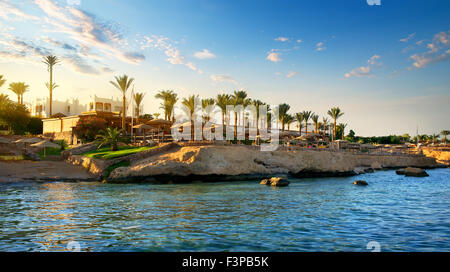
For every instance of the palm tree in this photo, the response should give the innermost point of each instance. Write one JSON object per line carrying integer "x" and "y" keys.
{"x": 306, "y": 116}
{"x": 222, "y": 101}
{"x": 51, "y": 89}
{"x": 138, "y": 99}
{"x": 257, "y": 104}
{"x": 110, "y": 136}
{"x": 191, "y": 107}
{"x": 283, "y": 110}
{"x": 335, "y": 113}
{"x": 325, "y": 123}
{"x": 299, "y": 117}
{"x": 123, "y": 83}
{"x": 342, "y": 128}
{"x": 289, "y": 119}
{"x": 50, "y": 61}
{"x": 157, "y": 115}
{"x": 315, "y": 119}
{"x": 19, "y": 88}
{"x": 2, "y": 80}
{"x": 15, "y": 88}
{"x": 207, "y": 107}
{"x": 238, "y": 98}
{"x": 169, "y": 98}
{"x": 445, "y": 133}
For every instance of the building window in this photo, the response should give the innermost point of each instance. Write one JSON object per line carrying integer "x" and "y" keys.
{"x": 107, "y": 107}
{"x": 99, "y": 106}
{"x": 68, "y": 109}
{"x": 91, "y": 106}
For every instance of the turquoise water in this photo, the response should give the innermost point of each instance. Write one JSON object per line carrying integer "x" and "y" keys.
{"x": 329, "y": 214}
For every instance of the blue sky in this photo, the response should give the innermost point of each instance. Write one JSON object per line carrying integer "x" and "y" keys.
{"x": 386, "y": 66}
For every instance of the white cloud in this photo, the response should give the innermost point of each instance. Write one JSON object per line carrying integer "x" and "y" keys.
{"x": 6, "y": 10}
{"x": 291, "y": 74}
{"x": 320, "y": 46}
{"x": 299, "y": 41}
{"x": 274, "y": 57}
{"x": 204, "y": 54}
{"x": 223, "y": 78}
{"x": 410, "y": 36}
{"x": 364, "y": 71}
{"x": 282, "y": 39}
{"x": 437, "y": 51}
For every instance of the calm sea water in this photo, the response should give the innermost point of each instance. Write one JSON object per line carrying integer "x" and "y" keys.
{"x": 330, "y": 214}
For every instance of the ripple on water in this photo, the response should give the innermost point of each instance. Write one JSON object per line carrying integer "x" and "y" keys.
{"x": 330, "y": 214}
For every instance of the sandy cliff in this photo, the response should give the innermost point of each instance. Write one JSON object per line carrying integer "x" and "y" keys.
{"x": 242, "y": 160}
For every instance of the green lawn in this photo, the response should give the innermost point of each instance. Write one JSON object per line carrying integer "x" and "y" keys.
{"x": 105, "y": 153}
{"x": 11, "y": 158}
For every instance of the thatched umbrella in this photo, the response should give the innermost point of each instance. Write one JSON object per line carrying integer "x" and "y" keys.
{"x": 46, "y": 144}
{"x": 145, "y": 127}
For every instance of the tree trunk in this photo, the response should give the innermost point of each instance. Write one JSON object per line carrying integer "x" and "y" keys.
{"x": 306, "y": 127}
{"x": 114, "y": 147}
{"x": 123, "y": 112}
{"x": 51, "y": 91}
{"x": 235, "y": 125}
{"x": 334, "y": 132}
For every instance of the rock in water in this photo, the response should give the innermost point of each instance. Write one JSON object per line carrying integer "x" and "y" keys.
{"x": 279, "y": 182}
{"x": 401, "y": 172}
{"x": 415, "y": 172}
{"x": 361, "y": 183}
{"x": 265, "y": 182}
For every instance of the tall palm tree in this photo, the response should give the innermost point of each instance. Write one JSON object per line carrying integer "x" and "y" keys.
{"x": 306, "y": 116}
{"x": 2, "y": 80}
{"x": 283, "y": 110}
{"x": 207, "y": 107}
{"x": 258, "y": 104}
{"x": 170, "y": 98}
{"x": 445, "y": 133}
{"x": 315, "y": 119}
{"x": 238, "y": 98}
{"x": 335, "y": 113}
{"x": 191, "y": 107}
{"x": 51, "y": 89}
{"x": 123, "y": 83}
{"x": 138, "y": 99}
{"x": 289, "y": 119}
{"x": 342, "y": 128}
{"x": 51, "y": 61}
{"x": 325, "y": 123}
{"x": 222, "y": 101}
{"x": 19, "y": 88}
{"x": 299, "y": 117}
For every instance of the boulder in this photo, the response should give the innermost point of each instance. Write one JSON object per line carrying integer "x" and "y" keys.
{"x": 265, "y": 182}
{"x": 400, "y": 172}
{"x": 415, "y": 172}
{"x": 360, "y": 183}
{"x": 279, "y": 182}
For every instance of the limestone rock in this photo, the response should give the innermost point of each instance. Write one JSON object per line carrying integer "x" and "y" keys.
{"x": 360, "y": 183}
{"x": 265, "y": 182}
{"x": 376, "y": 166}
{"x": 415, "y": 172}
{"x": 401, "y": 172}
{"x": 279, "y": 182}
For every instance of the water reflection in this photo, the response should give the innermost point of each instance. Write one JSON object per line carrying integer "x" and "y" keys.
{"x": 310, "y": 215}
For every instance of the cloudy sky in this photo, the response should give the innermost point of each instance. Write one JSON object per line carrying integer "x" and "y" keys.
{"x": 386, "y": 66}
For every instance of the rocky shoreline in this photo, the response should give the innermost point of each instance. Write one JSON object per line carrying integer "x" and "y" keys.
{"x": 232, "y": 163}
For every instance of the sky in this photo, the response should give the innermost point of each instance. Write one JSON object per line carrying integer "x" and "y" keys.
{"x": 386, "y": 66}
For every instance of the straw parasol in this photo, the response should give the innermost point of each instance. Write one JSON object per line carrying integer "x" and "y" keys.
{"x": 46, "y": 144}
{"x": 145, "y": 127}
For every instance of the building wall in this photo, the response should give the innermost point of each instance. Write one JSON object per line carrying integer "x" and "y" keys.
{"x": 57, "y": 125}
{"x": 41, "y": 107}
